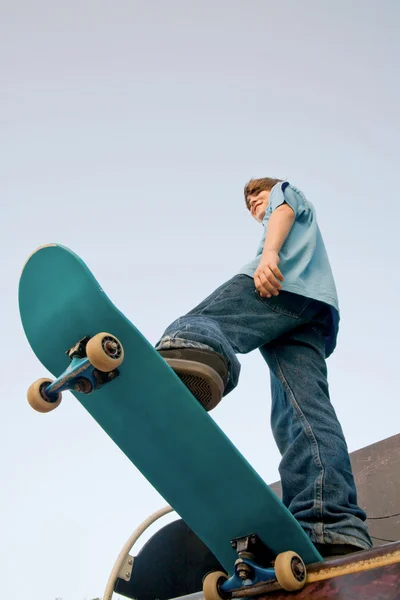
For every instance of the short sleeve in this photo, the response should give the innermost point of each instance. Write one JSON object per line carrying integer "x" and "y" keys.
{"x": 284, "y": 192}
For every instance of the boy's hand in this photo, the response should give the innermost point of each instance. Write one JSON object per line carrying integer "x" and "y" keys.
{"x": 268, "y": 276}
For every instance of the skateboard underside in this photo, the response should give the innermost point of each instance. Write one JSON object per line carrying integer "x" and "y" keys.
{"x": 151, "y": 416}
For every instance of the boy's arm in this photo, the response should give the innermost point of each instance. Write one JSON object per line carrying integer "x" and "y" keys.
{"x": 268, "y": 276}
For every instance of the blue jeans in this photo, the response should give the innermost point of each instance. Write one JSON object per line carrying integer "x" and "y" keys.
{"x": 316, "y": 476}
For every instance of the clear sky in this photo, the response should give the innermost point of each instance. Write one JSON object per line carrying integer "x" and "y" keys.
{"x": 128, "y": 130}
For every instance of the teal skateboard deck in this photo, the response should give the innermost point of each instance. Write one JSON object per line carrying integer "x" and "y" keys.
{"x": 151, "y": 416}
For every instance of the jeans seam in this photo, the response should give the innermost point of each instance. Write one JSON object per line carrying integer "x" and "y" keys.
{"x": 178, "y": 330}
{"x": 317, "y": 332}
{"x": 318, "y": 485}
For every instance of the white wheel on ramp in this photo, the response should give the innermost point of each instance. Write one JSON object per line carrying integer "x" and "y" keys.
{"x": 211, "y": 584}
{"x": 290, "y": 571}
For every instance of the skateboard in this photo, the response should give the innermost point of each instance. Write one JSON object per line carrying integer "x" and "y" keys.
{"x": 96, "y": 353}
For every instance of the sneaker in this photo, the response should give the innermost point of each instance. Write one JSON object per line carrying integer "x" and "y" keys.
{"x": 204, "y": 372}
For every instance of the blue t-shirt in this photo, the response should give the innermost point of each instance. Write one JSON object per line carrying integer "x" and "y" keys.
{"x": 304, "y": 261}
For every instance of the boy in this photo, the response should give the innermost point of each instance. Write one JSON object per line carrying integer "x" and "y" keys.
{"x": 283, "y": 302}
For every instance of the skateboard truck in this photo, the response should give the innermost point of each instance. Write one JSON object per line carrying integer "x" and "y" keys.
{"x": 94, "y": 362}
{"x": 250, "y": 569}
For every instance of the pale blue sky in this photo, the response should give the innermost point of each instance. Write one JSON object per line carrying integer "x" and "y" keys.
{"x": 128, "y": 130}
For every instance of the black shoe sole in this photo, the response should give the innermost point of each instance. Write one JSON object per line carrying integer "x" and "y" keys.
{"x": 202, "y": 381}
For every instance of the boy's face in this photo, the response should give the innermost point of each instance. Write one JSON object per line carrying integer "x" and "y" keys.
{"x": 258, "y": 205}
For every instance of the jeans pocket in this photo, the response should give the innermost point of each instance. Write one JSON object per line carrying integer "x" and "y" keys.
{"x": 286, "y": 303}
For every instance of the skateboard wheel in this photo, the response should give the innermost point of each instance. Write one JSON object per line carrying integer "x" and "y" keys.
{"x": 211, "y": 585}
{"x": 36, "y": 399}
{"x": 105, "y": 352}
{"x": 290, "y": 571}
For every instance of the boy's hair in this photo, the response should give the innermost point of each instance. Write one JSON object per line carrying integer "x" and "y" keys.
{"x": 255, "y": 186}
